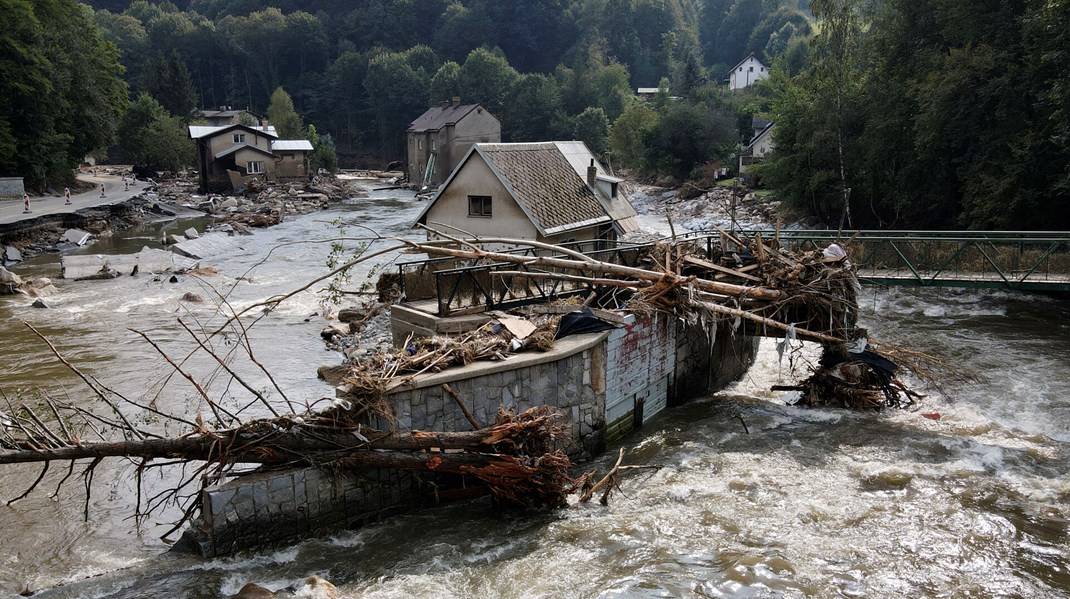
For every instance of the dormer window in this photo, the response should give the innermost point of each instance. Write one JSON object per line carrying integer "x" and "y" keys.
{"x": 613, "y": 191}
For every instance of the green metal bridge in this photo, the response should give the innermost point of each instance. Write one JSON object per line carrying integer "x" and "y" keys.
{"x": 1020, "y": 260}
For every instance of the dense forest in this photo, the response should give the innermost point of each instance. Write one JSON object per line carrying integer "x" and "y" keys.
{"x": 943, "y": 114}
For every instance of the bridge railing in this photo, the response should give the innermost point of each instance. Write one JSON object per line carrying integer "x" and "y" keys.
{"x": 1037, "y": 260}
{"x": 459, "y": 286}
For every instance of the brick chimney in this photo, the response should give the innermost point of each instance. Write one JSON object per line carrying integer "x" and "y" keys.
{"x": 456, "y": 101}
{"x": 592, "y": 175}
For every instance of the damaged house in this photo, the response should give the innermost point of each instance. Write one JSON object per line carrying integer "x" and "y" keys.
{"x": 440, "y": 137}
{"x": 231, "y": 155}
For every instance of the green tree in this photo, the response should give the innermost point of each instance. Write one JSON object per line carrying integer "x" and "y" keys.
{"x": 345, "y": 103}
{"x": 323, "y": 152}
{"x": 533, "y": 106}
{"x": 152, "y": 138}
{"x": 61, "y": 92}
{"x": 397, "y": 94}
{"x": 592, "y": 128}
{"x": 168, "y": 80}
{"x": 689, "y": 135}
{"x": 486, "y": 79}
{"x": 446, "y": 83}
{"x": 462, "y": 29}
{"x": 628, "y": 133}
{"x": 281, "y": 113}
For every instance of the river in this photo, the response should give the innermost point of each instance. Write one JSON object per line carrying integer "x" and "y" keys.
{"x": 810, "y": 503}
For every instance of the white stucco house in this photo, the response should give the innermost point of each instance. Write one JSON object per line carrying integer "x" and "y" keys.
{"x": 553, "y": 192}
{"x": 750, "y": 70}
{"x": 760, "y": 145}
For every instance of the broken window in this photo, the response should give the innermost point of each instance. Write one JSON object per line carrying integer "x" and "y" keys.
{"x": 479, "y": 206}
{"x": 254, "y": 167}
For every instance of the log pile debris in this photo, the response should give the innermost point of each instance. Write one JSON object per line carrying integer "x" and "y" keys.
{"x": 519, "y": 457}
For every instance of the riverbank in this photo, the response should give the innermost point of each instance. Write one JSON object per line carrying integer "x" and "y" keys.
{"x": 724, "y": 207}
{"x": 260, "y": 206}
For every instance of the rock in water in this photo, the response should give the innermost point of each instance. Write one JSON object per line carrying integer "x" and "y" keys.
{"x": 11, "y": 255}
{"x": 40, "y": 303}
{"x": 192, "y": 297}
{"x": 253, "y": 591}
{"x": 9, "y": 282}
{"x": 318, "y": 588}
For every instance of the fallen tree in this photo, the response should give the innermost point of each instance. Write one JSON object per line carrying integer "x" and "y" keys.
{"x": 519, "y": 457}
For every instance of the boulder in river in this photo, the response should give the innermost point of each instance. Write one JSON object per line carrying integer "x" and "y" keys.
{"x": 40, "y": 303}
{"x": 11, "y": 255}
{"x": 189, "y": 296}
{"x": 9, "y": 282}
{"x": 191, "y": 233}
{"x": 40, "y": 287}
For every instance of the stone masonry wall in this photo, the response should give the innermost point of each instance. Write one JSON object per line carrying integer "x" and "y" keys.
{"x": 11, "y": 187}
{"x": 564, "y": 384}
{"x": 676, "y": 362}
{"x": 269, "y": 508}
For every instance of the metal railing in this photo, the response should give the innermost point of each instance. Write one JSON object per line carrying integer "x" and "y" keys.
{"x": 1023, "y": 260}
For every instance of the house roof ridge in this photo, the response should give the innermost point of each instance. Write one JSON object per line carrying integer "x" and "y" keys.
{"x": 748, "y": 57}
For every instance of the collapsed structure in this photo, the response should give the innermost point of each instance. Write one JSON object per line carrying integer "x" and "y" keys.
{"x": 515, "y": 364}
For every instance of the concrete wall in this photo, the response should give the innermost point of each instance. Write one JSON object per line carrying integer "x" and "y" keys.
{"x": 11, "y": 187}
{"x": 599, "y": 383}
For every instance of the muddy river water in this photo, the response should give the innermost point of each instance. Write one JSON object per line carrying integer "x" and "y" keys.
{"x": 810, "y": 503}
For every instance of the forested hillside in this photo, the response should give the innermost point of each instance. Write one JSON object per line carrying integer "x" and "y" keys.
{"x": 930, "y": 114}
{"x": 888, "y": 112}
{"x": 363, "y": 70}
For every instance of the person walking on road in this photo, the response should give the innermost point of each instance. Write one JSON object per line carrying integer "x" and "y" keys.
{"x": 126, "y": 184}
{"x": 25, "y": 203}
{"x": 67, "y": 196}
{"x": 102, "y": 191}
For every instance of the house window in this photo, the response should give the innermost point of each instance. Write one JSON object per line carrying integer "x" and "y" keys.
{"x": 419, "y": 144}
{"x": 479, "y": 206}
{"x": 239, "y": 138}
{"x": 761, "y": 69}
{"x": 740, "y": 69}
{"x": 254, "y": 168}
{"x": 751, "y": 69}
{"x": 434, "y": 145}
{"x": 612, "y": 191}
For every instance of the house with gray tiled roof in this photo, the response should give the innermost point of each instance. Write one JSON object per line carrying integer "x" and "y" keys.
{"x": 440, "y": 137}
{"x": 553, "y": 192}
